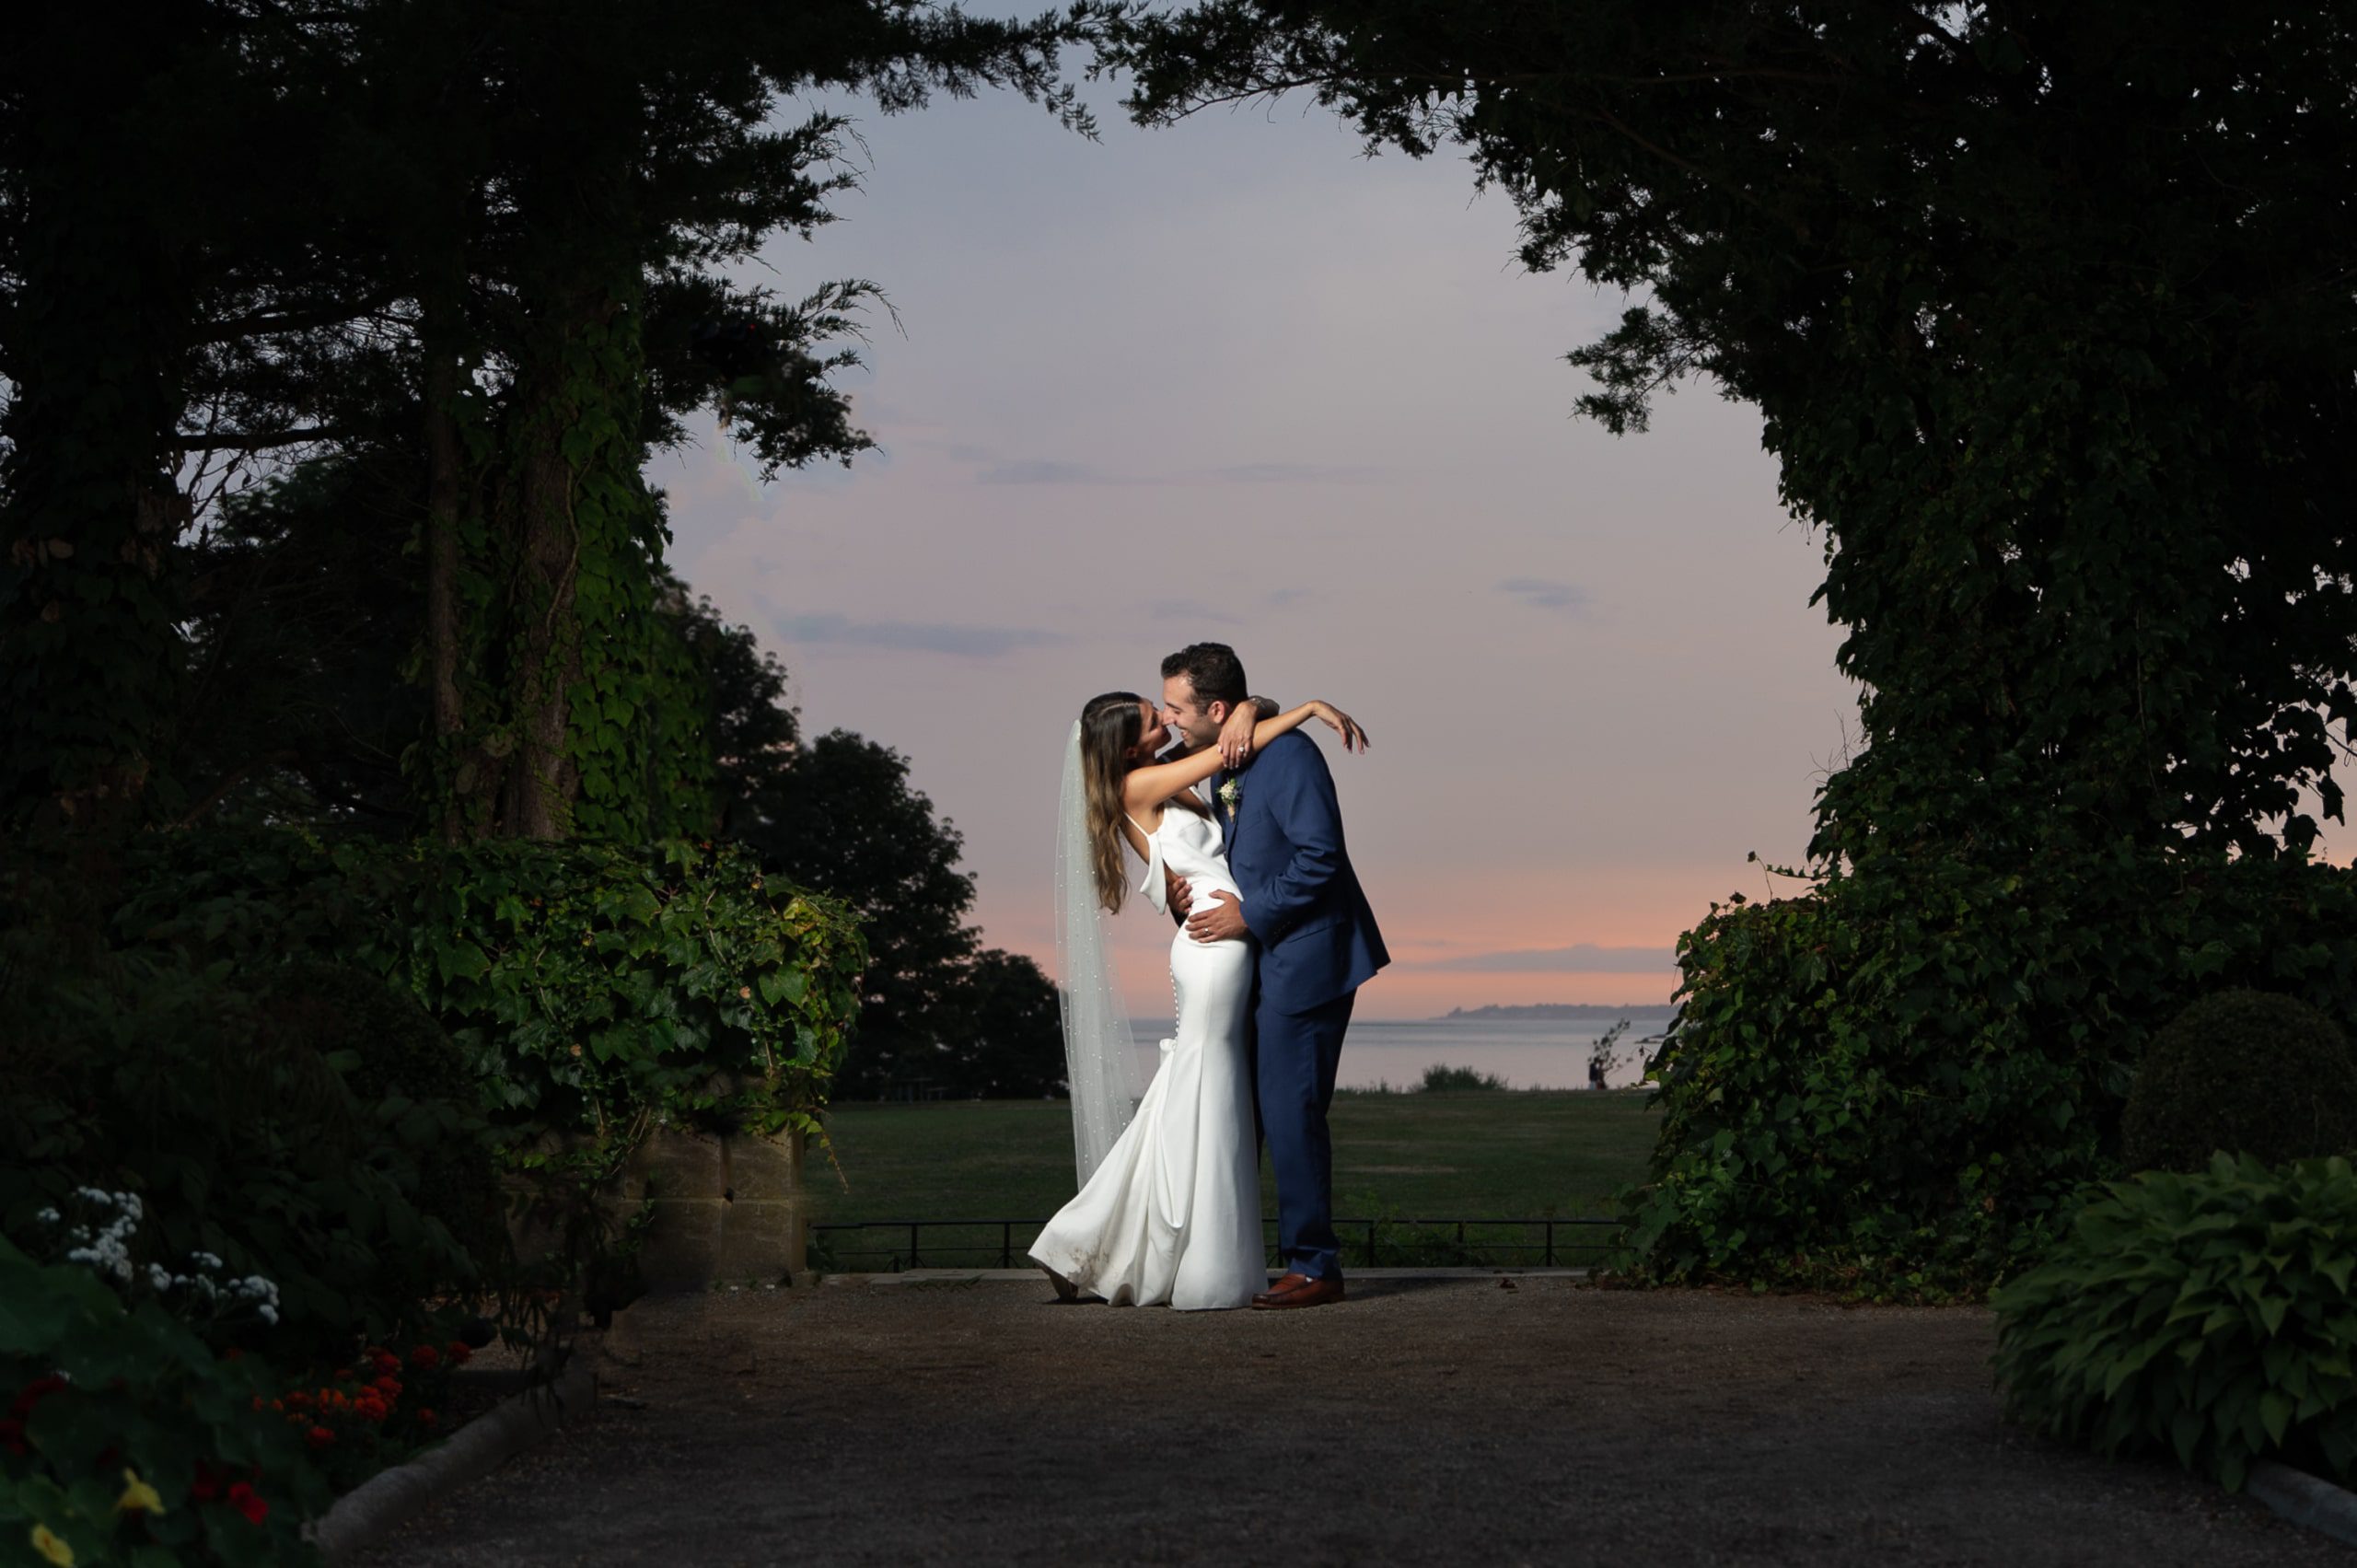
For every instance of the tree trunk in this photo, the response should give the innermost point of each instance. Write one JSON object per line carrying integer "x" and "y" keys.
{"x": 542, "y": 779}
{"x": 445, "y": 489}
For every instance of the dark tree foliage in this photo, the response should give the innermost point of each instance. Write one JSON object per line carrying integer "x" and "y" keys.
{"x": 503, "y": 236}
{"x": 2048, "y": 309}
{"x": 939, "y": 1012}
{"x": 303, "y": 605}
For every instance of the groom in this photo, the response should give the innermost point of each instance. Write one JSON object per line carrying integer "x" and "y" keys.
{"x": 1314, "y": 944}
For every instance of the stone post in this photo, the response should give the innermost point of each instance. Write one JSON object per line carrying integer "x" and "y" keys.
{"x": 728, "y": 1210}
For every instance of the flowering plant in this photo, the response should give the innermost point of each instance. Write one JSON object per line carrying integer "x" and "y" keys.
{"x": 126, "y": 1437}
{"x": 375, "y": 1411}
{"x": 204, "y": 1296}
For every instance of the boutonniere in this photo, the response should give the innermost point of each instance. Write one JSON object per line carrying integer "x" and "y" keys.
{"x": 1230, "y": 794}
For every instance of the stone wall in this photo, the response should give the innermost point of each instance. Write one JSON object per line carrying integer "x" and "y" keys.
{"x": 728, "y": 1210}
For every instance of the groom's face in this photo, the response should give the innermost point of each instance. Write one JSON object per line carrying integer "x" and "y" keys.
{"x": 1199, "y": 722}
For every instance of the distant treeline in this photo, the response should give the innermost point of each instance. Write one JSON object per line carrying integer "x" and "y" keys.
{"x": 1564, "y": 1010}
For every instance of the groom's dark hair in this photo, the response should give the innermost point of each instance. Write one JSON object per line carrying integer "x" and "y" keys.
{"x": 1213, "y": 668}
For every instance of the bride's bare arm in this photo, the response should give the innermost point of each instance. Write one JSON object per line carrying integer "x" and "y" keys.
{"x": 1159, "y": 782}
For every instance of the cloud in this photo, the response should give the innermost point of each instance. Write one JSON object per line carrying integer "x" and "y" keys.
{"x": 979, "y": 642}
{"x": 1051, "y": 471}
{"x": 1581, "y": 957}
{"x": 1294, "y": 473}
{"x": 1542, "y": 593}
{"x": 1041, "y": 470}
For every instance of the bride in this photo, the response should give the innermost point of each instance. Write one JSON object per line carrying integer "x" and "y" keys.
{"x": 1169, "y": 1204}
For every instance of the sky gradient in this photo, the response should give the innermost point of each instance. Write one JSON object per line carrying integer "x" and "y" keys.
{"x": 1232, "y": 380}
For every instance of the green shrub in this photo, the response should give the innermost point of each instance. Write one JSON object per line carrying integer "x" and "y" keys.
{"x": 162, "y": 1073}
{"x": 587, "y": 986}
{"x": 2245, "y": 1072}
{"x": 244, "y": 1141}
{"x": 225, "y": 1033}
{"x": 1442, "y": 1079}
{"x": 1891, "y": 1084}
{"x": 128, "y": 1439}
{"x": 2207, "y": 1316}
{"x": 405, "y": 1074}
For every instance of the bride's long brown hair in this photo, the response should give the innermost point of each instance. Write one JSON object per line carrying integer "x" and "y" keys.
{"x": 1110, "y": 725}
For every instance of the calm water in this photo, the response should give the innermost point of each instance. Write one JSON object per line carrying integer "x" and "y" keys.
{"x": 1527, "y": 1053}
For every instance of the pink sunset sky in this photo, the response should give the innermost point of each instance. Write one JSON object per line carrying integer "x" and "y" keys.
{"x": 1234, "y": 381}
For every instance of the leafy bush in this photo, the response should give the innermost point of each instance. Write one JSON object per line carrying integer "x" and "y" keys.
{"x": 1440, "y": 1078}
{"x": 129, "y": 1439}
{"x": 2207, "y": 1316}
{"x": 1891, "y": 1084}
{"x": 2244, "y": 1072}
{"x": 409, "y": 1075}
{"x": 590, "y": 985}
{"x": 587, "y": 986}
{"x": 228, "y": 1034}
{"x": 246, "y": 1143}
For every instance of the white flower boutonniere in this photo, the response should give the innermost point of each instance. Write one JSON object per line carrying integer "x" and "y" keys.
{"x": 1230, "y": 795}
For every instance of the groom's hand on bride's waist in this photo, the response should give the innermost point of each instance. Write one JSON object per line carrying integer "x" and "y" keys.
{"x": 1220, "y": 920}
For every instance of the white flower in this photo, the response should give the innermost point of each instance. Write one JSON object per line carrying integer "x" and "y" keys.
{"x": 269, "y": 1313}
{"x": 159, "y": 1276}
{"x": 46, "y": 1216}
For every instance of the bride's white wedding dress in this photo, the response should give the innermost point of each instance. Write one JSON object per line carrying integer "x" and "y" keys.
{"x": 1173, "y": 1212}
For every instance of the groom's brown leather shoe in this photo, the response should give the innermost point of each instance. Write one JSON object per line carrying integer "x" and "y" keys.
{"x": 1290, "y": 1281}
{"x": 1305, "y": 1293}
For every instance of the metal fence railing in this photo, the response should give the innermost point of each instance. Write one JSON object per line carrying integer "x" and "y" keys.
{"x": 893, "y": 1245}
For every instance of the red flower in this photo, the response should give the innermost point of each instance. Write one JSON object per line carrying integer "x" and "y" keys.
{"x": 247, "y": 1501}
{"x": 425, "y": 1357}
{"x": 425, "y": 1417}
{"x": 389, "y": 1387}
{"x": 300, "y": 1399}
{"x": 384, "y": 1361}
{"x": 35, "y": 1391}
{"x": 12, "y": 1436}
{"x": 457, "y": 1353}
{"x": 318, "y": 1438}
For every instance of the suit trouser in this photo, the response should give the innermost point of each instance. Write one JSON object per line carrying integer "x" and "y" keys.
{"x": 1296, "y": 1055}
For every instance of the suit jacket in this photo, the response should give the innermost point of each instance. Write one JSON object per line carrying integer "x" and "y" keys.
{"x": 1302, "y": 901}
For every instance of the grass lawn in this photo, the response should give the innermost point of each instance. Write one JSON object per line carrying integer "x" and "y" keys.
{"x": 1523, "y": 1154}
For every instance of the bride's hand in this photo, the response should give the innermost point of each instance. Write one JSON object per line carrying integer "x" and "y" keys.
{"x": 1353, "y": 733}
{"x": 1236, "y": 736}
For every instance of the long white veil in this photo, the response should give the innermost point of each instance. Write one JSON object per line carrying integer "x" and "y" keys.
{"x": 1100, "y": 1059}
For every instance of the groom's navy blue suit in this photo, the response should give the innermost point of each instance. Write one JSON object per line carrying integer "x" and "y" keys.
{"x": 1316, "y": 945}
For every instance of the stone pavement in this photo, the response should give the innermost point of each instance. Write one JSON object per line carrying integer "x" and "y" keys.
{"x": 1424, "y": 1421}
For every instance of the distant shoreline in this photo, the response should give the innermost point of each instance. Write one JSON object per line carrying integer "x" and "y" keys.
{"x": 1558, "y": 1010}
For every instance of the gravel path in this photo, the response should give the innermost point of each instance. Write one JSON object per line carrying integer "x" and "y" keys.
{"x": 1420, "y": 1423}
